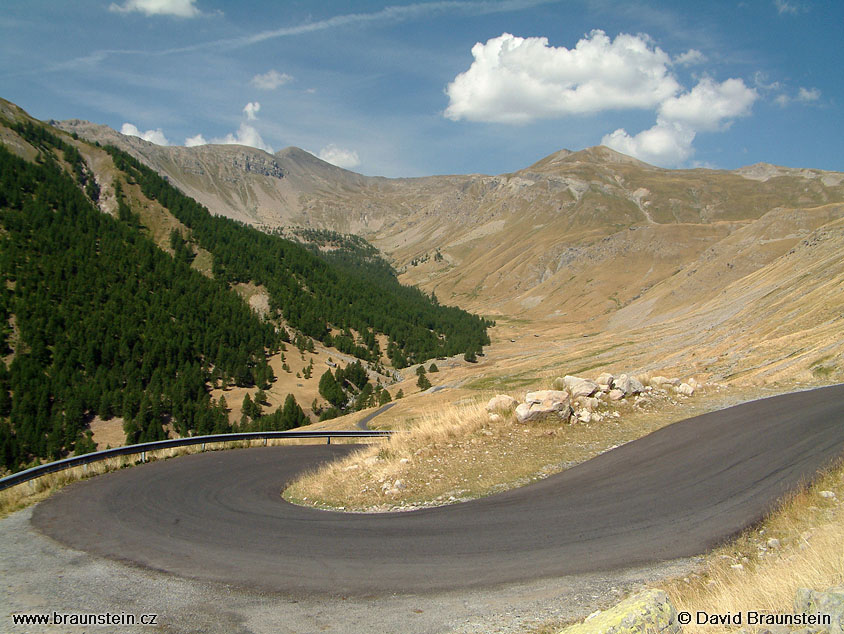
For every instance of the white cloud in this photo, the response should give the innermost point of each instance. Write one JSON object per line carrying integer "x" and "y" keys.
{"x": 178, "y": 8}
{"x": 690, "y": 58}
{"x": 193, "y": 141}
{"x": 517, "y": 80}
{"x": 271, "y": 80}
{"x": 251, "y": 110}
{"x": 246, "y": 135}
{"x": 340, "y": 157}
{"x": 708, "y": 107}
{"x": 808, "y": 95}
{"x": 804, "y": 95}
{"x": 153, "y": 136}
{"x": 665, "y": 144}
{"x": 784, "y": 6}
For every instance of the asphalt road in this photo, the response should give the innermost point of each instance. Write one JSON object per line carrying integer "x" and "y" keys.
{"x": 363, "y": 423}
{"x": 219, "y": 516}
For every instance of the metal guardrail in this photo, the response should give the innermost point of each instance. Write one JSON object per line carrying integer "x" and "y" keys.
{"x": 143, "y": 448}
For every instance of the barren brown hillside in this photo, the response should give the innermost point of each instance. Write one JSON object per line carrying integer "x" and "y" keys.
{"x": 730, "y": 274}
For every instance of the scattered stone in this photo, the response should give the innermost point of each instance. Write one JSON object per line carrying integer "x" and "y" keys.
{"x": 648, "y": 611}
{"x": 352, "y": 467}
{"x": 501, "y": 402}
{"x": 584, "y": 415}
{"x": 773, "y": 543}
{"x": 557, "y": 396}
{"x": 659, "y": 381}
{"x": 540, "y": 404}
{"x": 685, "y": 389}
{"x": 737, "y": 567}
{"x": 829, "y": 601}
{"x": 579, "y": 387}
{"x": 495, "y": 418}
{"x": 616, "y": 395}
{"x": 605, "y": 379}
{"x": 399, "y": 484}
{"x": 627, "y": 384}
{"x": 404, "y": 461}
{"x": 827, "y": 494}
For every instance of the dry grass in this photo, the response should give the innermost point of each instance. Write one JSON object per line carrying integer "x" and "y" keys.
{"x": 27, "y": 493}
{"x": 810, "y": 529}
{"x": 458, "y": 453}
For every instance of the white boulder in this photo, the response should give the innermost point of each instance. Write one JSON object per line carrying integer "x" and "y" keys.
{"x": 580, "y": 387}
{"x": 627, "y": 384}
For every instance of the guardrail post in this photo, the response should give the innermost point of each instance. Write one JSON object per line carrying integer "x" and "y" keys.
{"x": 265, "y": 441}
{"x": 143, "y": 456}
{"x": 203, "y": 447}
{"x": 328, "y": 438}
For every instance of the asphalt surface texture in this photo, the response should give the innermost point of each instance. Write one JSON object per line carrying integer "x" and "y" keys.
{"x": 219, "y": 516}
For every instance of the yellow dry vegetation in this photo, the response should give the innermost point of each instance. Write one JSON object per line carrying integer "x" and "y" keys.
{"x": 457, "y": 452}
{"x": 753, "y": 573}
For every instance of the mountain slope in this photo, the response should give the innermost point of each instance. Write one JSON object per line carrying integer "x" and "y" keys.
{"x": 515, "y": 244}
{"x": 582, "y": 242}
{"x": 122, "y": 298}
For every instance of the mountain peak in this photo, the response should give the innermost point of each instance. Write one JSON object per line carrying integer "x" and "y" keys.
{"x": 598, "y": 154}
{"x": 603, "y": 154}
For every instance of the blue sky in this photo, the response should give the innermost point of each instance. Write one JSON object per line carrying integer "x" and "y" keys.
{"x": 411, "y": 89}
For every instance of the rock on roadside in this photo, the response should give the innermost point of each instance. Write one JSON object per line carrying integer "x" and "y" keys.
{"x": 501, "y": 402}
{"x": 648, "y": 611}
{"x": 543, "y": 403}
{"x": 829, "y": 601}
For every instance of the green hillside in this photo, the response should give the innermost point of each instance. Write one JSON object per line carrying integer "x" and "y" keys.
{"x": 96, "y": 319}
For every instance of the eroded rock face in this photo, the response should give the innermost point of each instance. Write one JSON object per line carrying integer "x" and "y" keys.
{"x": 649, "y": 611}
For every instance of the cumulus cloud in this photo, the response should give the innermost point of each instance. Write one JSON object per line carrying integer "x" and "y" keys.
{"x": 153, "y": 136}
{"x": 690, "y": 58}
{"x": 666, "y": 143}
{"x": 178, "y": 8}
{"x": 517, "y": 80}
{"x": 193, "y": 141}
{"x": 271, "y": 80}
{"x": 251, "y": 110}
{"x": 246, "y": 135}
{"x": 340, "y": 157}
{"x": 808, "y": 95}
{"x": 708, "y": 107}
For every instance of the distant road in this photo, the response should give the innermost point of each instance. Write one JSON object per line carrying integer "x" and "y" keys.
{"x": 363, "y": 423}
{"x": 675, "y": 493}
